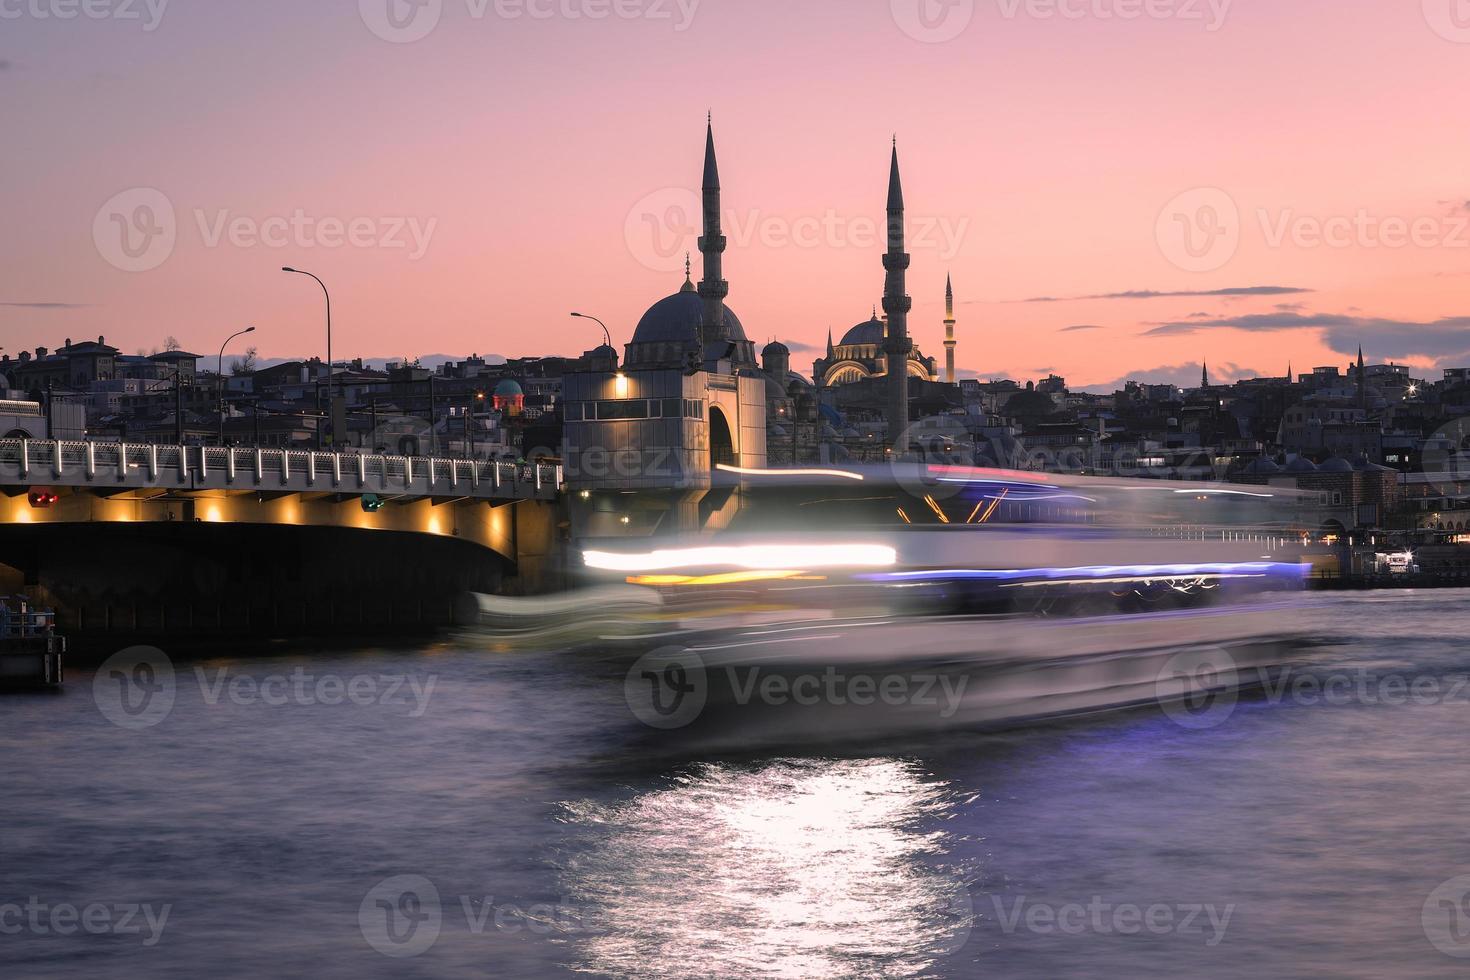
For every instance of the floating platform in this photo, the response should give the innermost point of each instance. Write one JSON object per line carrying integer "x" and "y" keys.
{"x": 32, "y": 654}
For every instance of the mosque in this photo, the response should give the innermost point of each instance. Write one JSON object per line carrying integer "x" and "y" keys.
{"x": 691, "y": 400}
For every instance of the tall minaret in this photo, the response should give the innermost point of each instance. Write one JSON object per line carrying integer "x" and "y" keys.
{"x": 713, "y": 289}
{"x": 949, "y": 321}
{"x": 1205, "y": 376}
{"x": 897, "y": 304}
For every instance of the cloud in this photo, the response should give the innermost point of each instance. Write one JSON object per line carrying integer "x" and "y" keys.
{"x": 46, "y": 306}
{"x": 1156, "y": 294}
{"x": 1254, "y": 322}
{"x": 1445, "y": 341}
{"x": 1181, "y": 375}
{"x": 1080, "y": 327}
{"x": 1291, "y": 307}
{"x": 796, "y": 347}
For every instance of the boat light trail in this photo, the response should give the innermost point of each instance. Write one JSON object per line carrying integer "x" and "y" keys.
{"x": 1100, "y": 573}
{"x": 754, "y": 557}
{"x": 752, "y": 471}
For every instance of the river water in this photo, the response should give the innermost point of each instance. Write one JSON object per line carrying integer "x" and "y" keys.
{"x": 452, "y": 811}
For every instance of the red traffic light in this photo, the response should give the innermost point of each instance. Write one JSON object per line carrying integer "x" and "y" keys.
{"x": 41, "y": 499}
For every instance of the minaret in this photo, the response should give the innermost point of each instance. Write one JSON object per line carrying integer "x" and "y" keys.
{"x": 949, "y": 322}
{"x": 897, "y": 304}
{"x": 1205, "y": 376}
{"x": 1362, "y": 382}
{"x": 713, "y": 289}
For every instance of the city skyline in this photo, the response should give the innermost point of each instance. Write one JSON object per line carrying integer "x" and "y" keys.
{"x": 1032, "y": 180}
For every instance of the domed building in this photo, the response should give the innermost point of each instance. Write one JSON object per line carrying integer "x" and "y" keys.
{"x": 860, "y": 356}
{"x": 510, "y": 397}
{"x": 689, "y": 400}
{"x": 668, "y": 335}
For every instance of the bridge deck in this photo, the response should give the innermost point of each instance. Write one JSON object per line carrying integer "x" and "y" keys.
{"x": 111, "y": 466}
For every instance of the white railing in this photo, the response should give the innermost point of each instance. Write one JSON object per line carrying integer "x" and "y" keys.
{"x": 80, "y": 464}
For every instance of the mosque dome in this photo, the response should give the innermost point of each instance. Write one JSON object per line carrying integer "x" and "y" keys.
{"x": 775, "y": 347}
{"x": 1365, "y": 465}
{"x": 1337, "y": 465}
{"x": 1301, "y": 465}
{"x": 509, "y": 388}
{"x": 676, "y": 319}
{"x": 1263, "y": 467}
{"x": 870, "y": 332}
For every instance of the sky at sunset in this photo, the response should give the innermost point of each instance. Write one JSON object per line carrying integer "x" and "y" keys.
{"x": 1120, "y": 188}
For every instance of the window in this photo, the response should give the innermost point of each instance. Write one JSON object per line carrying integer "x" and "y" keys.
{"x": 612, "y": 411}
{"x": 574, "y": 411}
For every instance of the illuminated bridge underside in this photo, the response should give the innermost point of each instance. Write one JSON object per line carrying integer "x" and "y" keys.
{"x": 110, "y": 483}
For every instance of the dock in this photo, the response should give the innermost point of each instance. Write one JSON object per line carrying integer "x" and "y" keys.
{"x": 31, "y": 651}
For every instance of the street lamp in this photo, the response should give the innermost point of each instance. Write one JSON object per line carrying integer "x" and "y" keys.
{"x": 220, "y": 370}
{"x": 301, "y": 272}
{"x": 600, "y": 324}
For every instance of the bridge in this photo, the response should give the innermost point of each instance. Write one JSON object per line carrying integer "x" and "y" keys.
{"x": 141, "y": 538}
{"x": 107, "y": 468}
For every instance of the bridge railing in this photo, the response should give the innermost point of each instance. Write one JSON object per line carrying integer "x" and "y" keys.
{"x": 65, "y": 463}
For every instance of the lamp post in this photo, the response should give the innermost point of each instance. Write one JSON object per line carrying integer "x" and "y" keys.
{"x": 220, "y": 370}
{"x": 594, "y": 319}
{"x": 328, "y": 295}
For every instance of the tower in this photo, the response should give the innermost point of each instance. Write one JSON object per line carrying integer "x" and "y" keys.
{"x": 949, "y": 322}
{"x": 713, "y": 289}
{"x": 897, "y": 304}
{"x": 1204, "y": 381}
{"x": 1362, "y": 381}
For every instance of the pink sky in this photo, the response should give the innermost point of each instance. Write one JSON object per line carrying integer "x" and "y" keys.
{"x": 1042, "y": 154}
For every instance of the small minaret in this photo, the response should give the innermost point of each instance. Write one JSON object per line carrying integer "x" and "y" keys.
{"x": 713, "y": 289}
{"x": 1204, "y": 381}
{"x": 897, "y": 304}
{"x": 949, "y": 323}
{"x": 1362, "y": 381}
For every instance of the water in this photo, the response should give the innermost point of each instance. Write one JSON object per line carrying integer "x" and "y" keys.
{"x": 515, "y": 824}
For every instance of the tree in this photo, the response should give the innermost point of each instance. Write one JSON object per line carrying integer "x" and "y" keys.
{"x": 171, "y": 343}
{"x": 244, "y": 365}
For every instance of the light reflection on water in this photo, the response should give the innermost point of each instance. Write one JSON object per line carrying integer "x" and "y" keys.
{"x": 791, "y": 869}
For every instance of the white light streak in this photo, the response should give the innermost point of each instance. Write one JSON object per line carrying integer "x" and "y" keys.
{"x": 753, "y": 557}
